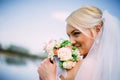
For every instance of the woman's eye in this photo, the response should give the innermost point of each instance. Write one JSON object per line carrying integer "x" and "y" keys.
{"x": 76, "y": 33}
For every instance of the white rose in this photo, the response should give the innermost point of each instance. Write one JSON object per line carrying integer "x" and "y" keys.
{"x": 68, "y": 64}
{"x": 65, "y": 53}
{"x": 50, "y": 55}
{"x": 58, "y": 43}
{"x": 50, "y": 45}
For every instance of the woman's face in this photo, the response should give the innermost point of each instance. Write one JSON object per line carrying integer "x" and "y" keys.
{"x": 78, "y": 39}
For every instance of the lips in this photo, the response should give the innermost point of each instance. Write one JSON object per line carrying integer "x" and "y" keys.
{"x": 78, "y": 46}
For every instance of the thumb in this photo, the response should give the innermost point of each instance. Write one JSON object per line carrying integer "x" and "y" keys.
{"x": 54, "y": 61}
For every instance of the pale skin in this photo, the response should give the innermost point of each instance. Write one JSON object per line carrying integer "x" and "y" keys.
{"x": 47, "y": 70}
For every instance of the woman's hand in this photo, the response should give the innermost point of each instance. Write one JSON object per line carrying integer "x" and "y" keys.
{"x": 47, "y": 70}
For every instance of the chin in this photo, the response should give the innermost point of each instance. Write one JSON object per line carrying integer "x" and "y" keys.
{"x": 83, "y": 53}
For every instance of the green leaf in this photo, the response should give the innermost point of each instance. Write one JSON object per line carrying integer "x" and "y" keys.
{"x": 61, "y": 63}
{"x": 74, "y": 48}
{"x": 54, "y": 47}
{"x": 74, "y": 57}
{"x": 65, "y": 43}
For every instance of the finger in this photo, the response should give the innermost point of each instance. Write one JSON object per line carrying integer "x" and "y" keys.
{"x": 45, "y": 60}
{"x": 40, "y": 78}
{"x": 51, "y": 61}
{"x": 54, "y": 61}
{"x": 39, "y": 69}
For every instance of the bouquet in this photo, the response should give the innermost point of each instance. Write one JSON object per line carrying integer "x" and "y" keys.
{"x": 67, "y": 54}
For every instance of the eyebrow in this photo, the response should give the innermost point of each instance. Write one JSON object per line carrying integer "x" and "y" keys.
{"x": 75, "y": 30}
{"x": 72, "y": 31}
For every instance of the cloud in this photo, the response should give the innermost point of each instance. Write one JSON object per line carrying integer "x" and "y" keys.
{"x": 60, "y": 16}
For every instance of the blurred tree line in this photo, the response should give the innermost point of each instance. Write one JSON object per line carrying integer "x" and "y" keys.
{"x": 20, "y": 51}
{"x": 17, "y": 54}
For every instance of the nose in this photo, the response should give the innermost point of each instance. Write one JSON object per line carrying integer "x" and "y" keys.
{"x": 72, "y": 40}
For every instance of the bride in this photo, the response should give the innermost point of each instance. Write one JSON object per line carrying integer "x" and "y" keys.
{"x": 96, "y": 35}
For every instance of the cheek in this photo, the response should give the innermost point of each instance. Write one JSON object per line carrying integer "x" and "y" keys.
{"x": 86, "y": 44}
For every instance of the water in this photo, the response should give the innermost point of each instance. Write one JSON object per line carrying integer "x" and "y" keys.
{"x": 27, "y": 71}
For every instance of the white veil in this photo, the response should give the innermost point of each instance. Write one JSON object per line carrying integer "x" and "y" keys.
{"x": 103, "y": 60}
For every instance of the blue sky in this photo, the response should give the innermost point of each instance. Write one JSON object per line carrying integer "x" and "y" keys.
{"x": 30, "y": 23}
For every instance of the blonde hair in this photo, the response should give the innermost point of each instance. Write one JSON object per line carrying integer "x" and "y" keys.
{"x": 85, "y": 17}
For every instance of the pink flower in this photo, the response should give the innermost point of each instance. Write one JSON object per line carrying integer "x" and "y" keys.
{"x": 65, "y": 53}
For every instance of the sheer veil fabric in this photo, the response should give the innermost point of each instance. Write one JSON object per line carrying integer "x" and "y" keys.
{"x": 103, "y": 59}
